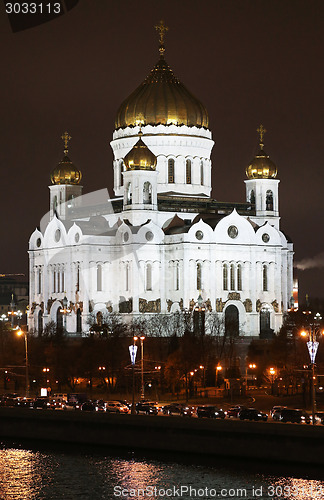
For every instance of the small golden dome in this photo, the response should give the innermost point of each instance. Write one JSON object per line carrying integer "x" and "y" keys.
{"x": 140, "y": 157}
{"x": 261, "y": 167}
{"x": 66, "y": 172}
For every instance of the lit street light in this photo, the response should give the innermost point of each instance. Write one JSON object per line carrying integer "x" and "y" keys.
{"x": 142, "y": 364}
{"x": 272, "y": 373}
{"x": 19, "y": 333}
{"x": 218, "y": 370}
{"x": 314, "y": 331}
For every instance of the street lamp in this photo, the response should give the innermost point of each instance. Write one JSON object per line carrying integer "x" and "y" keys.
{"x": 65, "y": 310}
{"x": 19, "y": 333}
{"x": 218, "y": 370}
{"x": 252, "y": 366}
{"x": 272, "y": 373}
{"x": 142, "y": 364}
{"x": 313, "y": 332}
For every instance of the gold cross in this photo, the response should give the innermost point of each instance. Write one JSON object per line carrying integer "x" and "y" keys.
{"x": 65, "y": 138}
{"x": 261, "y": 131}
{"x": 162, "y": 29}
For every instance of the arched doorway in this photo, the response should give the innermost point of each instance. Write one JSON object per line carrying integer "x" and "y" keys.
{"x": 40, "y": 322}
{"x": 232, "y": 323}
{"x": 266, "y": 331}
{"x": 78, "y": 321}
{"x": 59, "y": 321}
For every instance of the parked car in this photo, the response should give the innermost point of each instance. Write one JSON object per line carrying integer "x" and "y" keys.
{"x": 320, "y": 416}
{"x": 25, "y": 403}
{"x": 276, "y": 414}
{"x": 42, "y": 404}
{"x": 234, "y": 411}
{"x": 252, "y": 414}
{"x": 295, "y": 416}
{"x": 178, "y": 409}
{"x": 276, "y": 409}
{"x": 147, "y": 407}
{"x": 88, "y": 406}
{"x": 210, "y": 411}
{"x": 116, "y": 407}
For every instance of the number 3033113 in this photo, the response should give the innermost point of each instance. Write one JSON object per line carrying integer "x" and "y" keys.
{"x": 33, "y": 8}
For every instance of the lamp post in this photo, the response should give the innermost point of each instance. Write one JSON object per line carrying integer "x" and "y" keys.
{"x": 314, "y": 331}
{"x": 252, "y": 366}
{"x": 142, "y": 363}
{"x": 19, "y": 333}
{"x": 272, "y": 373}
{"x": 199, "y": 316}
{"x": 218, "y": 369}
{"x": 65, "y": 310}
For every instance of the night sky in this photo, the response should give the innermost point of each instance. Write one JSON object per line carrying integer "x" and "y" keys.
{"x": 249, "y": 62}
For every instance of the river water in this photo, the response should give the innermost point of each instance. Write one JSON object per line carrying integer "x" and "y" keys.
{"x": 29, "y": 473}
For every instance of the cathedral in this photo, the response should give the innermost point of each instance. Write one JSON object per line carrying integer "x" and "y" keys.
{"x": 162, "y": 244}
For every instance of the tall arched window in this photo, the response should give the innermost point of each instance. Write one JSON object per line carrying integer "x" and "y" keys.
{"x": 149, "y": 277}
{"x": 225, "y": 277}
{"x": 99, "y": 278}
{"x": 199, "y": 276}
{"x": 58, "y": 289}
{"x": 78, "y": 321}
{"x": 121, "y": 166}
{"x": 269, "y": 200}
{"x": 252, "y": 197}
{"x": 147, "y": 193}
{"x": 54, "y": 203}
{"x": 40, "y": 323}
{"x": 39, "y": 280}
{"x": 127, "y": 276}
{"x": 239, "y": 277}
{"x": 177, "y": 276}
{"x": 188, "y": 171}
{"x": 77, "y": 287}
{"x": 129, "y": 194}
{"x": 59, "y": 320}
{"x": 232, "y": 277}
{"x": 54, "y": 281}
{"x": 265, "y": 278}
{"x": 171, "y": 170}
{"x": 201, "y": 172}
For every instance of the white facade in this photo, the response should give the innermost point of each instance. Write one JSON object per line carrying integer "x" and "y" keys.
{"x": 162, "y": 240}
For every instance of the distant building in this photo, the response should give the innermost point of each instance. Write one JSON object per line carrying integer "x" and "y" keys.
{"x": 14, "y": 296}
{"x": 162, "y": 241}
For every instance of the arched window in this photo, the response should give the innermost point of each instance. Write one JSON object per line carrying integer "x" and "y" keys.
{"x": 99, "y": 278}
{"x": 149, "y": 277}
{"x": 199, "y": 276}
{"x": 55, "y": 204}
{"x": 171, "y": 170}
{"x": 54, "y": 281}
{"x": 59, "y": 320}
{"x": 62, "y": 281}
{"x": 40, "y": 323}
{"x": 147, "y": 193}
{"x": 265, "y": 278}
{"x": 121, "y": 166}
{"x": 252, "y": 197}
{"x": 201, "y": 172}
{"x": 58, "y": 289}
{"x": 39, "y": 280}
{"x": 78, "y": 321}
{"x": 77, "y": 286}
{"x": 129, "y": 194}
{"x": 70, "y": 201}
{"x": 269, "y": 200}
{"x": 177, "y": 276}
{"x": 239, "y": 277}
{"x": 127, "y": 276}
{"x": 232, "y": 277}
{"x": 99, "y": 318}
{"x": 225, "y": 277}
{"x": 188, "y": 171}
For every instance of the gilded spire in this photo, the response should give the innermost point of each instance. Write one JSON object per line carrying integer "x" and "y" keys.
{"x": 261, "y": 131}
{"x": 162, "y": 29}
{"x": 66, "y": 138}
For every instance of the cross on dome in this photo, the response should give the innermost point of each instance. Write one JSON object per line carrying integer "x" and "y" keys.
{"x": 162, "y": 29}
{"x": 66, "y": 138}
{"x": 261, "y": 131}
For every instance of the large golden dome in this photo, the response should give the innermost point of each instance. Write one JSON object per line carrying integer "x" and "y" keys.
{"x": 140, "y": 157}
{"x": 66, "y": 172}
{"x": 261, "y": 167}
{"x": 161, "y": 98}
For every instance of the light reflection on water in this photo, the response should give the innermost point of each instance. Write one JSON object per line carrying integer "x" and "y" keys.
{"x": 33, "y": 475}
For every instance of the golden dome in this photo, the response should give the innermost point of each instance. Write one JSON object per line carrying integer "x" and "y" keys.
{"x": 66, "y": 172}
{"x": 161, "y": 98}
{"x": 261, "y": 167}
{"x": 140, "y": 157}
